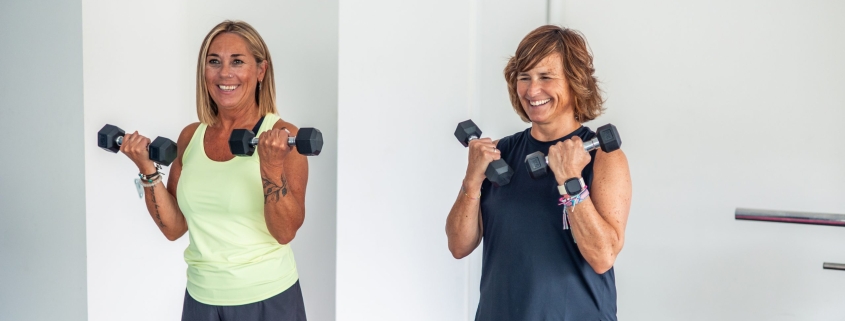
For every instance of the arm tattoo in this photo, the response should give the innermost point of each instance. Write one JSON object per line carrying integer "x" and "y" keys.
{"x": 155, "y": 205}
{"x": 272, "y": 190}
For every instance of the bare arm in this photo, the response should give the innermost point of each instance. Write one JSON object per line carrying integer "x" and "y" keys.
{"x": 160, "y": 200}
{"x": 598, "y": 222}
{"x": 464, "y": 227}
{"x": 284, "y": 174}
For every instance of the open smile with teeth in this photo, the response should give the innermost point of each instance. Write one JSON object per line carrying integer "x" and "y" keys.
{"x": 536, "y": 103}
{"x": 227, "y": 88}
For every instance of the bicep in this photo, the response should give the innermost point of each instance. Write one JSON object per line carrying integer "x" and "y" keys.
{"x": 611, "y": 190}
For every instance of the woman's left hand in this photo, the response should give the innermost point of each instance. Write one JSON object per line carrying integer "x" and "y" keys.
{"x": 273, "y": 146}
{"x": 567, "y": 159}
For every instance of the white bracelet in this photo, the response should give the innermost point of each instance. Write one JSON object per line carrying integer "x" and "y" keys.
{"x": 153, "y": 182}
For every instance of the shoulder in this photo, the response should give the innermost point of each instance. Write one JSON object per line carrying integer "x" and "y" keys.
{"x": 182, "y": 143}
{"x": 282, "y": 124}
{"x": 187, "y": 133}
{"x": 615, "y": 161}
{"x": 505, "y": 143}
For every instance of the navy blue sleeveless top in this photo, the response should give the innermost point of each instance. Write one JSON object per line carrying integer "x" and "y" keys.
{"x": 532, "y": 268}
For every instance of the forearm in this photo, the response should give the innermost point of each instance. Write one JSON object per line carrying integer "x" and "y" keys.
{"x": 463, "y": 225}
{"x": 283, "y": 213}
{"x": 164, "y": 210}
{"x": 597, "y": 240}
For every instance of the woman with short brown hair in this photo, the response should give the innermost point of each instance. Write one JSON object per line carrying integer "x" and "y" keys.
{"x": 549, "y": 242}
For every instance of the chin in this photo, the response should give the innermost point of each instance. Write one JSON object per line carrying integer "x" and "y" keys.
{"x": 538, "y": 119}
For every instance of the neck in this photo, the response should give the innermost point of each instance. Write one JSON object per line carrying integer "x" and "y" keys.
{"x": 238, "y": 117}
{"x": 555, "y": 129}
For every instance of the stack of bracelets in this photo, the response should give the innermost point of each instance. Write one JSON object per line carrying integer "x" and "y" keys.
{"x": 151, "y": 179}
{"x": 572, "y": 200}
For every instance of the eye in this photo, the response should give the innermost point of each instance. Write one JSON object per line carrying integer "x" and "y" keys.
{"x": 238, "y": 62}
{"x": 214, "y": 62}
{"x": 523, "y": 78}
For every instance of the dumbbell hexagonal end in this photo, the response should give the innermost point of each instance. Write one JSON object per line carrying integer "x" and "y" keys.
{"x": 465, "y": 130}
{"x": 107, "y": 138}
{"x": 309, "y": 141}
{"x": 240, "y": 142}
{"x": 499, "y": 173}
{"x": 163, "y": 151}
{"x": 536, "y": 164}
{"x": 609, "y": 139}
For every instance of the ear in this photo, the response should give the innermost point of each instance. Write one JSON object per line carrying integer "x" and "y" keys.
{"x": 262, "y": 69}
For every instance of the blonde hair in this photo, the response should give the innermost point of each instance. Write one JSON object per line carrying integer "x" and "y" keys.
{"x": 265, "y": 96}
{"x": 577, "y": 68}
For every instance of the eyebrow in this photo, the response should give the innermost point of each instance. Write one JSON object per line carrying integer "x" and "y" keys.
{"x": 233, "y": 55}
{"x": 547, "y": 73}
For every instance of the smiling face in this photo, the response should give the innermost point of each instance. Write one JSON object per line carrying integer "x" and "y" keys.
{"x": 232, "y": 73}
{"x": 544, "y": 91}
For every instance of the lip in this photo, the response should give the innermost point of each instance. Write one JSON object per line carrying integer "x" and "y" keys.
{"x": 226, "y": 92}
{"x": 548, "y": 100}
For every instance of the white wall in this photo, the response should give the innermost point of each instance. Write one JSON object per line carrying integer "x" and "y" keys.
{"x": 725, "y": 104}
{"x": 139, "y": 69}
{"x": 409, "y": 72}
{"x": 42, "y": 204}
{"x": 403, "y": 85}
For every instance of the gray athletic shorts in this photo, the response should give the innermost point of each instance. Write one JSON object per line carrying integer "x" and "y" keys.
{"x": 285, "y": 306}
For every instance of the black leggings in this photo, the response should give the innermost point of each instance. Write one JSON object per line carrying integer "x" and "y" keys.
{"x": 285, "y": 306}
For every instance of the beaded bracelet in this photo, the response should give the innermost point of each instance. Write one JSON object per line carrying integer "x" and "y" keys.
{"x": 152, "y": 181}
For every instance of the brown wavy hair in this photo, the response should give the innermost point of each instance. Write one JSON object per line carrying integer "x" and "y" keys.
{"x": 577, "y": 68}
{"x": 265, "y": 97}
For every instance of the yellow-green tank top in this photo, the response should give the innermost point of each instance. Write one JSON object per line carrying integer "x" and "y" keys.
{"x": 232, "y": 258}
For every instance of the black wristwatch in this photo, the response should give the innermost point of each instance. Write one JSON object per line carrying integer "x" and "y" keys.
{"x": 572, "y": 186}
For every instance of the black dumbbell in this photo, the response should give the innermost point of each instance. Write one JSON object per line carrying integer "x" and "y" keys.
{"x": 162, "y": 150}
{"x": 308, "y": 142}
{"x": 607, "y": 137}
{"x": 498, "y": 171}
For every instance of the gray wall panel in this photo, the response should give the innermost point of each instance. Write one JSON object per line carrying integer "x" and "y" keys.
{"x": 42, "y": 194}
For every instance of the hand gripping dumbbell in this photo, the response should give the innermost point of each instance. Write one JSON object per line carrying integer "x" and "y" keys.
{"x": 607, "y": 137}
{"x": 162, "y": 150}
{"x": 308, "y": 141}
{"x": 498, "y": 172}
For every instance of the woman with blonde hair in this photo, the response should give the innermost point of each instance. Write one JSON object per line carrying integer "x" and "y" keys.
{"x": 549, "y": 243}
{"x": 242, "y": 211}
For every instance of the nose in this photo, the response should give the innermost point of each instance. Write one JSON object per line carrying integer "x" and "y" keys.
{"x": 532, "y": 89}
{"x": 225, "y": 71}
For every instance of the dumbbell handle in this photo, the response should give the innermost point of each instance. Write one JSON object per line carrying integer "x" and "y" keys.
{"x": 119, "y": 141}
{"x": 291, "y": 141}
{"x": 589, "y": 146}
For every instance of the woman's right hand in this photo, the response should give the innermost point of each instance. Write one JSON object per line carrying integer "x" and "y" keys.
{"x": 135, "y": 147}
{"x": 482, "y": 152}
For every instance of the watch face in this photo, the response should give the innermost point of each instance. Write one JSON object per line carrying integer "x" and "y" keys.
{"x": 573, "y": 186}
